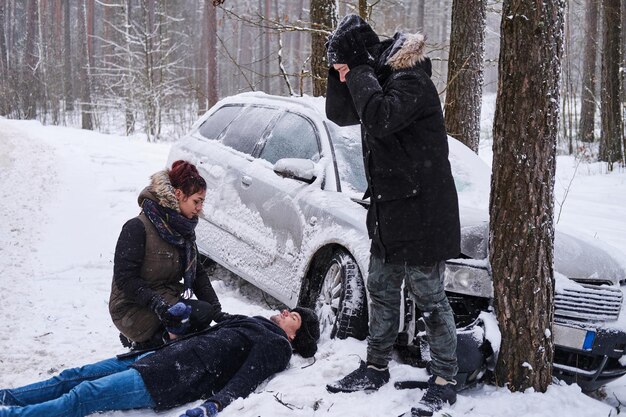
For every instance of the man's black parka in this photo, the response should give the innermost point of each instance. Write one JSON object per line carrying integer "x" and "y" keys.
{"x": 413, "y": 216}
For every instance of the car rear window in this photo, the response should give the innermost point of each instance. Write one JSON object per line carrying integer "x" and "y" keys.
{"x": 293, "y": 136}
{"x": 248, "y": 129}
{"x": 215, "y": 124}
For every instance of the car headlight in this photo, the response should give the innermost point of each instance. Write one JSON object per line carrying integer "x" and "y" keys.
{"x": 468, "y": 279}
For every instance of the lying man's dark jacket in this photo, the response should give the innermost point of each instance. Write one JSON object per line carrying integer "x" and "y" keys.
{"x": 220, "y": 364}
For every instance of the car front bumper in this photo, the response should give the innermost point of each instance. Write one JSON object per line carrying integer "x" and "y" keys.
{"x": 589, "y": 363}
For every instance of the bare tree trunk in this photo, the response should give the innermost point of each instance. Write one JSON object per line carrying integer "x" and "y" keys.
{"x": 421, "y": 9}
{"x": 588, "y": 106}
{"x": 4, "y": 65}
{"x": 30, "y": 86}
{"x": 68, "y": 87}
{"x": 611, "y": 112}
{"x": 465, "y": 71}
{"x": 267, "y": 36}
{"x": 212, "y": 71}
{"x": 521, "y": 237}
{"x": 323, "y": 17}
{"x": 363, "y": 9}
{"x": 84, "y": 71}
{"x": 202, "y": 61}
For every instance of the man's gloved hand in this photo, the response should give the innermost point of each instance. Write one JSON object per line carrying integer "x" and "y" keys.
{"x": 353, "y": 51}
{"x": 177, "y": 318}
{"x": 208, "y": 409}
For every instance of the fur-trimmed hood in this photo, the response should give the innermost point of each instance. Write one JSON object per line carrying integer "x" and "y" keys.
{"x": 161, "y": 191}
{"x": 406, "y": 51}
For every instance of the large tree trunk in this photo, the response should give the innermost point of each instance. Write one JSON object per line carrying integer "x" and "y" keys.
{"x": 588, "y": 94}
{"x": 611, "y": 112}
{"x": 465, "y": 71}
{"x": 521, "y": 237}
{"x": 323, "y": 18}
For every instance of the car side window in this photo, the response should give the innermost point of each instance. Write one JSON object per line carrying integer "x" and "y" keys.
{"x": 215, "y": 124}
{"x": 293, "y": 136}
{"x": 247, "y": 130}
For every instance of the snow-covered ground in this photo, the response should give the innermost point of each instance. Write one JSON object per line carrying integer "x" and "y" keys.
{"x": 65, "y": 194}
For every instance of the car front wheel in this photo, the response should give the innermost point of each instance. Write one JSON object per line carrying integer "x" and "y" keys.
{"x": 341, "y": 301}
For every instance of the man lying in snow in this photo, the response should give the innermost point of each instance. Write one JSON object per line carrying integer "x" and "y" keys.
{"x": 220, "y": 364}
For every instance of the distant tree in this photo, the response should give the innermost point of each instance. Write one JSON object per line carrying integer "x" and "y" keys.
{"x": 29, "y": 86}
{"x": 85, "y": 69}
{"x": 68, "y": 86}
{"x": 588, "y": 94}
{"x": 521, "y": 207}
{"x": 465, "y": 71}
{"x": 610, "y": 110}
{"x": 207, "y": 92}
{"x": 323, "y": 20}
{"x": 4, "y": 64}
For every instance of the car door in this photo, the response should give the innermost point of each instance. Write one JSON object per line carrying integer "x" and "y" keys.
{"x": 275, "y": 219}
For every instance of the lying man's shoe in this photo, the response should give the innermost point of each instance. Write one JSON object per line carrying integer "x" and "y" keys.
{"x": 440, "y": 392}
{"x": 365, "y": 378}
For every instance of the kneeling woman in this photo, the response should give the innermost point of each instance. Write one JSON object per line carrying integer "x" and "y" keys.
{"x": 155, "y": 252}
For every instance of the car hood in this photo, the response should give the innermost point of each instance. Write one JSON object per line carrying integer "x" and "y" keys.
{"x": 577, "y": 257}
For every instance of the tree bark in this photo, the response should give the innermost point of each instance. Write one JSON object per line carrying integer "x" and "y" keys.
{"x": 68, "y": 87}
{"x": 610, "y": 111}
{"x": 588, "y": 94}
{"x": 84, "y": 71}
{"x": 29, "y": 89}
{"x": 521, "y": 208}
{"x": 465, "y": 71}
{"x": 212, "y": 71}
{"x": 4, "y": 64}
{"x": 324, "y": 18}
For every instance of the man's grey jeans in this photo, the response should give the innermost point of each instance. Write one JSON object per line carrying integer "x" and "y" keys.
{"x": 425, "y": 284}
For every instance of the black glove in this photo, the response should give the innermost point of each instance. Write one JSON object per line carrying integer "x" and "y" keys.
{"x": 350, "y": 48}
{"x": 161, "y": 308}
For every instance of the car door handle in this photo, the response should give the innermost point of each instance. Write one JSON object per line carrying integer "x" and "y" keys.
{"x": 246, "y": 180}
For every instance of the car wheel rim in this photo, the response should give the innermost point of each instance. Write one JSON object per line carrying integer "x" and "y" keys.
{"x": 330, "y": 295}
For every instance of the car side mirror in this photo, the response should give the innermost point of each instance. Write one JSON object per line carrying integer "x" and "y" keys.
{"x": 297, "y": 169}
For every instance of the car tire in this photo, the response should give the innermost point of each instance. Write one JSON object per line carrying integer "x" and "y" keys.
{"x": 338, "y": 296}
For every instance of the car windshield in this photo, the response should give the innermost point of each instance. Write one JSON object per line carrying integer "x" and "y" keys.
{"x": 349, "y": 155}
{"x": 471, "y": 174}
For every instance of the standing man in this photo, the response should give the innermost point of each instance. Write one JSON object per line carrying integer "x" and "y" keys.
{"x": 220, "y": 364}
{"x": 413, "y": 217}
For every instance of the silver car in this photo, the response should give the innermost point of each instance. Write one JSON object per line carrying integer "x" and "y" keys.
{"x": 284, "y": 211}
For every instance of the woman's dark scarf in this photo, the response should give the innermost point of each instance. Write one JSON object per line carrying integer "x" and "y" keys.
{"x": 177, "y": 230}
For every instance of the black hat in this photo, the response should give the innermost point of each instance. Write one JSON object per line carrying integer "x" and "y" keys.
{"x": 360, "y": 28}
{"x": 305, "y": 342}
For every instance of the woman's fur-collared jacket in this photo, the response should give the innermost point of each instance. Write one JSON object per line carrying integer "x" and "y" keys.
{"x": 413, "y": 217}
{"x": 145, "y": 265}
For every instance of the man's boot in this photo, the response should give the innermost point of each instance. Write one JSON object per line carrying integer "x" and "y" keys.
{"x": 439, "y": 393}
{"x": 365, "y": 378}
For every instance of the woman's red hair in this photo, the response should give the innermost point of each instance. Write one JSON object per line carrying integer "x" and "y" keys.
{"x": 185, "y": 176}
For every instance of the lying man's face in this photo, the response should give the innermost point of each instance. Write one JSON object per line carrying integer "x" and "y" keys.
{"x": 289, "y": 321}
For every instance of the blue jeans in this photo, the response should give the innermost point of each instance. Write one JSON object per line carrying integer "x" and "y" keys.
{"x": 425, "y": 285}
{"x": 103, "y": 386}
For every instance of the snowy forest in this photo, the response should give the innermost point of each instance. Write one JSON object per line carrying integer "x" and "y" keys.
{"x": 152, "y": 66}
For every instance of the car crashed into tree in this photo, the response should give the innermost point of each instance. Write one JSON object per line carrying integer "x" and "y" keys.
{"x": 284, "y": 211}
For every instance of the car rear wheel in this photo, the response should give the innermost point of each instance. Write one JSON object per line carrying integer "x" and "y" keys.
{"x": 341, "y": 301}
